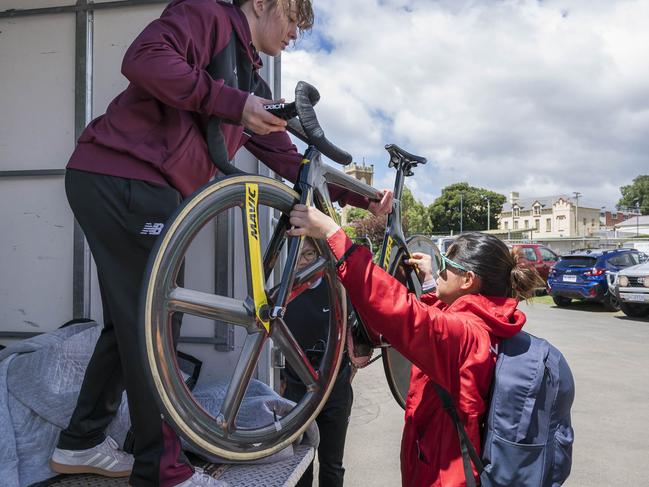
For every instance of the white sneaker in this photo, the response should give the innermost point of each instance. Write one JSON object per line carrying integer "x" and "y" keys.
{"x": 104, "y": 459}
{"x": 201, "y": 479}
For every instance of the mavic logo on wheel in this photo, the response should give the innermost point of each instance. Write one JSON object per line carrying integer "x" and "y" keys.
{"x": 253, "y": 229}
{"x": 152, "y": 229}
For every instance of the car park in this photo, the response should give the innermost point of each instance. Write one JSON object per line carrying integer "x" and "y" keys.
{"x": 538, "y": 256}
{"x": 443, "y": 243}
{"x": 582, "y": 275}
{"x": 631, "y": 287}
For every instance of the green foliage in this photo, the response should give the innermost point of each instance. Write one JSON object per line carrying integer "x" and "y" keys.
{"x": 355, "y": 214}
{"x": 415, "y": 216}
{"x": 350, "y": 231}
{"x": 636, "y": 193}
{"x": 372, "y": 227}
{"x": 445, "y": 210}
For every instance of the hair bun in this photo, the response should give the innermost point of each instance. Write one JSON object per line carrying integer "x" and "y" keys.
{"x": 525, "y": 279}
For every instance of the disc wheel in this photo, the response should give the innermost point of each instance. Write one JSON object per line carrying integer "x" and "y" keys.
{"x": 162, "y": 298}
{"x": 397, "y": 368}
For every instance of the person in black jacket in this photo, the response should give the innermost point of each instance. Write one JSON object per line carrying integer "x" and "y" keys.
{"x": 307, "y": 316}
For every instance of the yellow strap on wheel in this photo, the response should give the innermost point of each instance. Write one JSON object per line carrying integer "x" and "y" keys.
{"x": 254, "y": 251}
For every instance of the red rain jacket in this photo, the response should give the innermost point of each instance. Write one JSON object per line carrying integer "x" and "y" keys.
{"x": 451, "y": 345}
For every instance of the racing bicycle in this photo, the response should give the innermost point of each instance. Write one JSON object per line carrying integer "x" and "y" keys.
{"x": 272, "y": 280}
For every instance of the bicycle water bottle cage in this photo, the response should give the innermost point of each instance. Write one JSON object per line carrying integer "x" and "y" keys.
{"x": 400, "y": 157}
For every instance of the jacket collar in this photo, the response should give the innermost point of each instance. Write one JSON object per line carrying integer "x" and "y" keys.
{"x": 242, "y": 29}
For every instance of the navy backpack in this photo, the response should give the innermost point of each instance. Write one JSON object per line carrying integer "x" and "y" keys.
{"x": 527, "y": 435}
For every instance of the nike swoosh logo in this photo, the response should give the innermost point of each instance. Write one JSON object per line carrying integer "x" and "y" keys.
{"x": 325, "y": 310}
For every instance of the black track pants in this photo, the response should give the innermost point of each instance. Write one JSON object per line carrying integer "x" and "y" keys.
{"x": 121, "y": 219}
{"x": 332, "y": 422}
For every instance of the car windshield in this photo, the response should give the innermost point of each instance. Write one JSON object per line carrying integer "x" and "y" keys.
{"x": 576, "y": 261}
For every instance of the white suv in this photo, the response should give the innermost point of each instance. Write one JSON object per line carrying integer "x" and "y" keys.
{"x": 631, "y": 286}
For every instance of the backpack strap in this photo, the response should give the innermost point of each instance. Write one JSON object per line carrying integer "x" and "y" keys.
{"x": 468, "y": 450}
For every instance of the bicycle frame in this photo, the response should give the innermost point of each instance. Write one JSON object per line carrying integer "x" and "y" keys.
{"x": 312, "y": 186}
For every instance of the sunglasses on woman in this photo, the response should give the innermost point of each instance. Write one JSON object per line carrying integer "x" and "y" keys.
{"x": 446, "y": 262}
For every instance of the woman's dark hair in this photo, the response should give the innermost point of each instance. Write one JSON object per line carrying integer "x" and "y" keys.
{"x": 502, "y": 271}
{"x": 304, "y": 10}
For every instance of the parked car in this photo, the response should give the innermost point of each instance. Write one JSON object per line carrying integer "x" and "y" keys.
{"x": 538, "y": 256}
{"x": 582, "y": 275}
{"x": 631, "y": 287}
{"x": 443, "y": 243}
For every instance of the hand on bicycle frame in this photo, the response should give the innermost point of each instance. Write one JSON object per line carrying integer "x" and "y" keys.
{"x": 384, "y": 205}
{"x": 424, "y": 264}
{"x": 308, "y": 221}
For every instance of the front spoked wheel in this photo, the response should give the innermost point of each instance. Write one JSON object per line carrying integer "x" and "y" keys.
{"x": 396, "y": 366}
{"x": 220, "y": 434}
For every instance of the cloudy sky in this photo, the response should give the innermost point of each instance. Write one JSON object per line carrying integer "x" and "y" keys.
{"x": 539, "y": 97}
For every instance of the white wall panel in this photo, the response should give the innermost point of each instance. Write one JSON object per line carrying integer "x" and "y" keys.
{"x": 28, "y": 4}
{"x": 37, "y": 97}
{"x": 35, "y": 255}
{"x": 114, "y": 30}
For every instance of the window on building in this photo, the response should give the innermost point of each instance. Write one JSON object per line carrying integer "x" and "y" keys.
{"x": 561, "y": 223}
{"x": 506, "y": 225}
{"x": 592, "y": 222}
{"x": 527, "y": 224}
{"x": 517, "y": 212}
{"x": 537, "y": 210}
{"x": 537, "y": 224}
{"x": 515, "y": 224}
{"x": 548, "y": 224}
{"x": 585, "y": 222}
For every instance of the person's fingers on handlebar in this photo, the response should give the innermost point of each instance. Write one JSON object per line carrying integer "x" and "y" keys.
{"x": 384, "y": 205}
{"x": 257, "y": 119}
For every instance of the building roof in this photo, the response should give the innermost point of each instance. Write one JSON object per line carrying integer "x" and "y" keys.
{"x": 548, "y": 202}
{"x": 634, "y": 221}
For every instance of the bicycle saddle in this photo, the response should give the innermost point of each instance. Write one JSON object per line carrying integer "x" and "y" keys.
{"x": 397, "y": 154}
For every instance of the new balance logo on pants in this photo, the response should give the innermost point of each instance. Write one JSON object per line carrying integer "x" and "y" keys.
{"x": 152, "y": 229}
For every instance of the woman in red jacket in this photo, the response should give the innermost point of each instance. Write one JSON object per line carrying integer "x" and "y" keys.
{"x": 450, "y": 336}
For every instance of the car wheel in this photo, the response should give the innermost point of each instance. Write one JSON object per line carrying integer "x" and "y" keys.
{"x": 561, "y": 301}
{"x": 611, "y": 303}
{"x": 634, "y": 310}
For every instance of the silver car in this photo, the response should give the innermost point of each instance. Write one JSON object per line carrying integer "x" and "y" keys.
{"x": 631, "y": 286}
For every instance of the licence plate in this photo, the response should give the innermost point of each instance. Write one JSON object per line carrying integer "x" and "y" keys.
{"x": 569, "y": 278}
{"x": 636, "y": 297}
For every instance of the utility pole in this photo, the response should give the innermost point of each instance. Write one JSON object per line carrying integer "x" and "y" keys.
{"x": 488, "y": 212}
{"x": 577, "y": 195}
{"x": 461, "y": 210}
{"x": 637, "y": 218}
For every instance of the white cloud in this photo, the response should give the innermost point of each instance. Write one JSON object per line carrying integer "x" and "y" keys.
{"x": 540, "y": 97}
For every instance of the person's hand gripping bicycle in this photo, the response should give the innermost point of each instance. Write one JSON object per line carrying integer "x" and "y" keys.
{"x": 308, "y": 221}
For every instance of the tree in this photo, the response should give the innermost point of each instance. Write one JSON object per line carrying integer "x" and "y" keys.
{"x": 372, "y": 227}
{"x": 445, "y": 211}
{"x": 636, "y": 195}
{"x": 354, "y": 214}
{"x": 414, "y": 215}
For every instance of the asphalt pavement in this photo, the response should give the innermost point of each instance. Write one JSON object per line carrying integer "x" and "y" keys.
{"x": 609, "y": 357}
